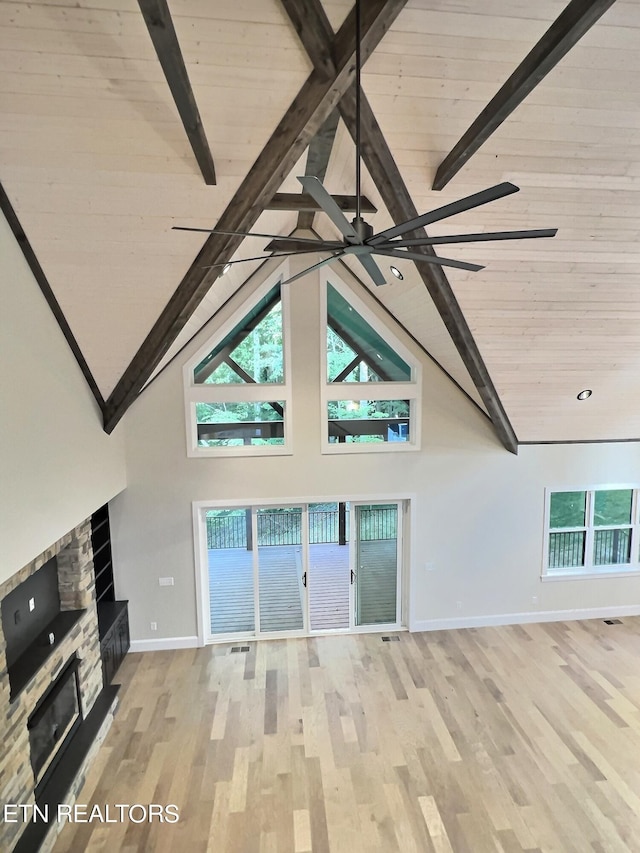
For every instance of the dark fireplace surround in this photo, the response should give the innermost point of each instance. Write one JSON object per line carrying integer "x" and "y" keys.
{"x": 51, "y": 681}
{"x": 54, "y": 721}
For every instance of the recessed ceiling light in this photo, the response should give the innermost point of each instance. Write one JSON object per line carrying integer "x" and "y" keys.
{"x": 396, "y": 272}
{"x": 583, "y": 395}
{"x": 226, "y": 268}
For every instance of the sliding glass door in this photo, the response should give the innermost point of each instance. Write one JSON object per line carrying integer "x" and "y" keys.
{"x": 281, "y": 598}
{"x": 330, "y": 599}
{"x": 311, "y": 568}
{"x": 377, "y": 562}
{"x": 230, "y": 572}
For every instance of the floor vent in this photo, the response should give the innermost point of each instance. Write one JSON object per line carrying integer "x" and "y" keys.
{"x": 235, "y": 649}
{"x": 394, "y": 639}
{"x": 613, "y": 621}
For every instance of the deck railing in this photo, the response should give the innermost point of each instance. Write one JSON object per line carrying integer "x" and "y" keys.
{"x": 280, "y": 528}
{"x": 610, "y": 547}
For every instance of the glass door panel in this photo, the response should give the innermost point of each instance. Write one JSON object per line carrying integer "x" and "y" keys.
{"x": 280, "y": 568}
{"x": 375, "y": 538}
{"x": 329, "y": 567}
{"x": 230, "y": 571}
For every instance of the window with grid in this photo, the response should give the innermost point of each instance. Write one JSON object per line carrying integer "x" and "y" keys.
{"x": 592, "y": 531}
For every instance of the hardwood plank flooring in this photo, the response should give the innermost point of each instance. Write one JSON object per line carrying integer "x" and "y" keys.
{"x": 507, "y": 739}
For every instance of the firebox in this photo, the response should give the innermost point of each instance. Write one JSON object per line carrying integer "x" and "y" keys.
{"x": 55, "y": 719}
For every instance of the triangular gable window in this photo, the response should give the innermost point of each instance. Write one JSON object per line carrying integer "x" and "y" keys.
{"x": 371, "y": 394}
{"x": 237, "y": 389}
{"x": 252, "y": 352}
{"x": 356, "y": 352}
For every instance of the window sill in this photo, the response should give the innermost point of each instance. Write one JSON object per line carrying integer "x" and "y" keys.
{"x": 235, "y": 452}
{"x": 591, "y": 574}
{"x": 370, "y": 447}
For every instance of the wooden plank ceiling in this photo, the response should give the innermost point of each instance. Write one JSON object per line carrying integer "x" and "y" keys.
{"x": 95, "y": 161}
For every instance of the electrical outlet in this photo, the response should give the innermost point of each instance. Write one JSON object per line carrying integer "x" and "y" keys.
{"x": 165, "y": 581}
{"x": 32, "y": 604}
{"x": 534, "y": 599}
{"x": 154, "y": 626}
{"x": 429, "y": 567}
{"x": 459, "y": 605}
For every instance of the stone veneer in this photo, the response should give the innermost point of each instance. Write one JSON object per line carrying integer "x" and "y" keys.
{"x": 74, "y": 554}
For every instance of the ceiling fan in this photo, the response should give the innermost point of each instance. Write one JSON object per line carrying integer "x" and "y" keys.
{"x": 358, "y": 237}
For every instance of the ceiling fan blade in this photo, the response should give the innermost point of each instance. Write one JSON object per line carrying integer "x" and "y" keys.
{"x": 301, "y": 240}
{"x": 313, "y": 186}
{"x": 289, "y": 245}
{"x": 261, "y": 258}
{"x": 470, "y": 238}
{"x": 372, "y": 268}
{"x": 312, "y": 268}
{"x": 428, "y": 259}
{"x": 467, "y": 203}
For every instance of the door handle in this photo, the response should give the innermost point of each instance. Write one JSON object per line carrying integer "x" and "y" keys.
{"x": 304, "y": 579}
{"x": 353, "y": 576}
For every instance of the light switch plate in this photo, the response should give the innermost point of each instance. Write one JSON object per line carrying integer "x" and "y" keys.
{"x": 165, "y": 581}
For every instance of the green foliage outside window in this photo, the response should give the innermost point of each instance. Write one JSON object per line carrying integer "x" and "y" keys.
{"x": 260, "y": 354}
{"x": 612, "y": 506}
{"x": 364, "y": 409}
{"x": 339, "y": 355}
{"x": 568, "y": 509}
{"x": 215, "y": 413}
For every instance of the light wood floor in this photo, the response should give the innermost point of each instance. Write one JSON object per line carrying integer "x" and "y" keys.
{"x": 493, "y": 739}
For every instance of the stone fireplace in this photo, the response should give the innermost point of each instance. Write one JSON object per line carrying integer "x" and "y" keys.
{"x": 42, "y": 699}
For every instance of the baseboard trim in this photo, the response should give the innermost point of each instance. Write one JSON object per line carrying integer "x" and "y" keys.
{"x": 525, "y": 617}
{"x": 164, "y": 644}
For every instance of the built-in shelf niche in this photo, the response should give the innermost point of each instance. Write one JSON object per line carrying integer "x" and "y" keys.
{"x": 113, "y": 617}
{"x": 102, "y": 558}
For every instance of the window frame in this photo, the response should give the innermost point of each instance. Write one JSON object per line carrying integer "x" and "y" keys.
{"x": 375, "y": 391}
{"x": 591, "y": 569}
{"x": 241, "y": 392}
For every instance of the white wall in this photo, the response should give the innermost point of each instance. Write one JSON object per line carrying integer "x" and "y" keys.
{"x": 56, "y": 464}
{"x": 478, "y": 513}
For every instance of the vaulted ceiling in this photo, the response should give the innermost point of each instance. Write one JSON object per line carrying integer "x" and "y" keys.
{"x": 97, "y": 166}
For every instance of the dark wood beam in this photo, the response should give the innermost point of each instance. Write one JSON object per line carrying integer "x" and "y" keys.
{"x": 310, "y": 108}
{"x": 165, "y": 41}
{"x": 395, "y": 196}
{"x": 303, "y": 202}
{"x": 318, "y": 160}
{"x": 47, "y": 292}
{"x": 578, "y": 17}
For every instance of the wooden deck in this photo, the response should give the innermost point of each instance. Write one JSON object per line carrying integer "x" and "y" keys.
{"x": 231, "y": 587}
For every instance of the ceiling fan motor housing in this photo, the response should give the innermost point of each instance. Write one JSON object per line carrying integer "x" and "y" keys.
{"x": 362, "y": 228}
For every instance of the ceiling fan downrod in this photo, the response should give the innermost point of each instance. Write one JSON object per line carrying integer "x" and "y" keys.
{"x": 358, "y": 219}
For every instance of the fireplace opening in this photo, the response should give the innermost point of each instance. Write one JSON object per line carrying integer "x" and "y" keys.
{"x": 54, "y": 720}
